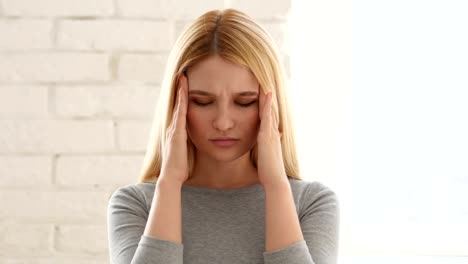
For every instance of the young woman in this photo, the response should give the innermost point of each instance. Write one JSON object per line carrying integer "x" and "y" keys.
{"x": 220, "y": 180}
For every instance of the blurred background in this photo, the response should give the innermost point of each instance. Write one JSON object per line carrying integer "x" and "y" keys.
{"x": 378, "y": 90}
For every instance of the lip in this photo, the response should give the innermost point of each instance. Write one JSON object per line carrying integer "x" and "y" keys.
{"x": 224, "y": 138}
{"x": 224, "y": 143}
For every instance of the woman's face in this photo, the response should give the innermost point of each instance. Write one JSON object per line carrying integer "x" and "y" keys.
{"x": 223, "y": 102}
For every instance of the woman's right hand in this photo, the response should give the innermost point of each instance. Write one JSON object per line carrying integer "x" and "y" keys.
{"x": 174, "y": 166}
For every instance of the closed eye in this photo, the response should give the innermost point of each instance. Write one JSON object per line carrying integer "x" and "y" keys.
{"x": 241, "y": 105}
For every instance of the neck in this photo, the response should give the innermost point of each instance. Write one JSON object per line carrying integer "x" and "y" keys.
{"x": 223, "y": 175}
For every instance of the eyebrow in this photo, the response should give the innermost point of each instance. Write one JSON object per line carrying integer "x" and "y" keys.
{"x": 211, "y": 94}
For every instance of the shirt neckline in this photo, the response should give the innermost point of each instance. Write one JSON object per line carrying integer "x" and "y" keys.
{"x": 248, "y": 189}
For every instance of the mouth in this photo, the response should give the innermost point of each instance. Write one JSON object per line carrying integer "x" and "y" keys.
{"x": 224, "y": 138}
{"x": 225, "y": 142}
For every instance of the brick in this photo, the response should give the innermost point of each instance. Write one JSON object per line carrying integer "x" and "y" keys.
{"x": 133, "y": 135}
{"x": 54, "y": 206}
{"x": 16, "y": 174}
{"x": 166, "y": 8}
{"x": 81, "y": 239}
{"x": 52, "y": 136}
{"x": 23, "y": 101}
{"x": 54, "y": 67}
{"x": 131, "y": 101}
{"x": 263, "y": 9}
{"x": 114, "y": 35}
{"x": 142, "y": 67}
{"x": 26, "y": 239}
{"x": 98, "y": 170}
{"x": 25, "y": 34}
{"x": 58, "y": 260}
{"x": 58, "y": 8}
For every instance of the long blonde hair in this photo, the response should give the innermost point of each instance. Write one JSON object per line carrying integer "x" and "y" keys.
{"x": 234, "y": 36}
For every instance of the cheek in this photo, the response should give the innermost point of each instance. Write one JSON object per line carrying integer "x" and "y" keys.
{"x": 193, "y": 120}
{"x": 193, "y": 126}
{"x": 253, "y": 120}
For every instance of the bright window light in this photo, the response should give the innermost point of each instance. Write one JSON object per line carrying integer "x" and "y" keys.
{"x": 380, "y": 98}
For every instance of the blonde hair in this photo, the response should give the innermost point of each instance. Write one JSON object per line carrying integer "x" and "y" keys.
{"x": 232, "y": 35}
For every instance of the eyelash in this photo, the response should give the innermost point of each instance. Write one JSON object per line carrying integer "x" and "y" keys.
{"x": 241, "y": 105}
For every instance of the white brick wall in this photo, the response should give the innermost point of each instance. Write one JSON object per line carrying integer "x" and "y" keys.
{"x": 88, "y": 35}
{"x": 79, "y": 81}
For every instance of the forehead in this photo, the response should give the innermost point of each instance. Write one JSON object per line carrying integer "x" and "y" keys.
{"x": 216, "y": 75}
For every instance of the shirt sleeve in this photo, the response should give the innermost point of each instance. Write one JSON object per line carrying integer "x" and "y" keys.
{"x": 126, "y": 220}
{"x": 319, "y": 220}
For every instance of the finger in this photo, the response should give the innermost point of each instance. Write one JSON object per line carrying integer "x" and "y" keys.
{"x": 261, "y": 102}
{"x": 266, "y": 119}
{"x": 273, "y": 115}
{"x": 176, "y": 113}
{"x": 275, "y": 119}
{"x": 182, "y": 102}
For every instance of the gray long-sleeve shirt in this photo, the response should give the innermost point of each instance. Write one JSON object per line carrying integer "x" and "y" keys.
{"x": 223, "y": 226}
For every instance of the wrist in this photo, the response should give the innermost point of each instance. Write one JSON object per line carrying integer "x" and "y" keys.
{"x": 277, "y": 186}
{"x": 168, "y": 183}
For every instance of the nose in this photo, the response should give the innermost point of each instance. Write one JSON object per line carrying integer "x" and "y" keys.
{"x": 223, "y": 120}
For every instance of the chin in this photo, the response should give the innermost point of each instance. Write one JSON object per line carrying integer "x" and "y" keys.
{"x": 223, "y": 155}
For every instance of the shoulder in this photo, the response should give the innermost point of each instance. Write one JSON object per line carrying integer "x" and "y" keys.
{"x": 309, "y": 188}
{"x": 313, "y": 195}
{"x": 134, "y": 195}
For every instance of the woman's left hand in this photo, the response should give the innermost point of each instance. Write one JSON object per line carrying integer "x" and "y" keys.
{"x": 270, "y": 165}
